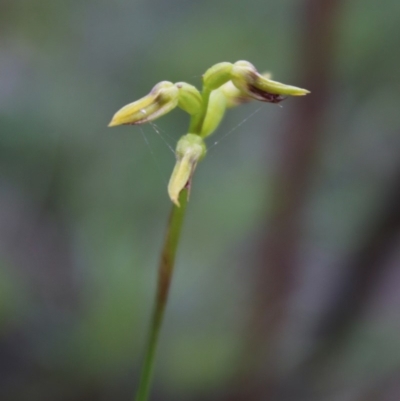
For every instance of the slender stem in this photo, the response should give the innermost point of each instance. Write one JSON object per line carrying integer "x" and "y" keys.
{"x": 165, "y": 272}
{"x": 166, "y": 269}
{"x": 197, "y": 121}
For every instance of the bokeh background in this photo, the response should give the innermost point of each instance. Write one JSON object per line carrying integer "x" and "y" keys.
{"x": 287, "y": 284}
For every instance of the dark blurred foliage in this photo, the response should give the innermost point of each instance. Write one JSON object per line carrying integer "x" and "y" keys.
{"x": 288, "y": 278}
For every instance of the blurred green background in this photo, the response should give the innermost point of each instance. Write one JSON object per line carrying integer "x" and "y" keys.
{"x": 287, "y": 280}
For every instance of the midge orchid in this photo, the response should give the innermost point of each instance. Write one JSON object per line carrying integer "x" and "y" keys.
{"x": 225, "y": 85}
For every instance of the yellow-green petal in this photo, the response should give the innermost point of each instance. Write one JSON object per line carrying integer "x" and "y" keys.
{"x": 217, "y": 75}
{"x": 189, "y": 98}
{"x": 215, "y": 112}
{"x": 162, "y": 99}
{"x": 189, "y": 151}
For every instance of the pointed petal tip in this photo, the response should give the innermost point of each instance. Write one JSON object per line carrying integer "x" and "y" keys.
{"x": 175, "y": 201}
{"x": 174, "y": 197}
{"x": 114, "y": 122}
{"x": 301, "y": 92}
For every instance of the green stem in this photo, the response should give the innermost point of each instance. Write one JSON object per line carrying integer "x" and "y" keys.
{"x": 197, "y": 121}
{"x": 165, "y": 272}
{"x": 166, "y": 269}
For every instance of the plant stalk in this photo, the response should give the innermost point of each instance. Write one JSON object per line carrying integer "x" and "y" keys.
{"x": 166, "y": 269}
{"x": 197, "y": 121}
{"x": 165, "y": 272}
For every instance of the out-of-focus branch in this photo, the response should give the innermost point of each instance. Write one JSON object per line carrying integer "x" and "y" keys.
{"x": 385, "y": 390}
{"x": 365, "y": 269}
{"x": 277, "y": 248}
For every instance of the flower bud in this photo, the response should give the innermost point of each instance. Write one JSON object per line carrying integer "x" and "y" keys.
{"x": 189, "y": 151}
{"x": 161, "y": 100}
{"x": 215, "y": 112}
{"x": 189, "y": 98}
{"x": 217, "y": 75}
{"x": 247, "y": 79}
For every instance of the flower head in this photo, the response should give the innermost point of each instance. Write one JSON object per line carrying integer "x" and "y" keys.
{"x": 225, "y": 85}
